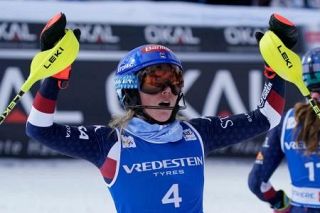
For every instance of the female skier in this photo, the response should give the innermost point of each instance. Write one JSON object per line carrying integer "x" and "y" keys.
{"x": 150, "y": 160}
{"x": 296, "y": 138}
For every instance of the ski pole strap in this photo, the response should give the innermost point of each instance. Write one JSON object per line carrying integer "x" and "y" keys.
{"x": 314, "y": 105}
{"x": 269, "y": 72}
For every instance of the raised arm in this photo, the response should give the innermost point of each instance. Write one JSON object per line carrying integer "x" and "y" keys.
{"x": 88, "y": 142}
{"x": 219, "y": 132}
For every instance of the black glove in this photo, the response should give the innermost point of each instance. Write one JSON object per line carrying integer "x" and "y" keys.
{"x": 54, "y": 31}
{"x": 50, "y": 35}
{"x": 280, "y": 202}
{"x": 284, "y": 29}
{"x": 287, "y": 33}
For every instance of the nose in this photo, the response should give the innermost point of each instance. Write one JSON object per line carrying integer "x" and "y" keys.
{"x": 167, "y": 90}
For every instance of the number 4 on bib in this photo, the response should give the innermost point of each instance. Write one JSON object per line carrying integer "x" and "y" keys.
{"x": 172, "y": 196}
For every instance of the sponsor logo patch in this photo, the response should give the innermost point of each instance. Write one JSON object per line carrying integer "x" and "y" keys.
{"x": 189, "y": 135}
{"x": 294, "y": 145}
{"x": 128, "y": 142}
{"x": 291, "y": 123}
{"x": 259, "y": 158}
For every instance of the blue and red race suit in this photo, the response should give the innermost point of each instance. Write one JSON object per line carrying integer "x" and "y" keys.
{"x": 304, "y": 168}
{"x": 150, "y": 167}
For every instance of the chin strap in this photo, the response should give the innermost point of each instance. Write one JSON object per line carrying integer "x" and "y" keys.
{"x": 139, "y": 111}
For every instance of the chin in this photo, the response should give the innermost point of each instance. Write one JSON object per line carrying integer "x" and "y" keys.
{"x": 162, "y": 115}
{"x": 163, "y": 118}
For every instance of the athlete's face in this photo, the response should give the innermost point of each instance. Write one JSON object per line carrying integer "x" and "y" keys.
{"x": 316, "y": 96}
{"x": 164, "y": 98}
{"x": 160, "y": 86}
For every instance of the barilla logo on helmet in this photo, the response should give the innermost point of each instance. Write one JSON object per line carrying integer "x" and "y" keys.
{"x": 155, "y": 48}
{"x": 146, "y": 55}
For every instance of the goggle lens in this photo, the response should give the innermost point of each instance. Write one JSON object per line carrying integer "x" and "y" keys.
{"x": 156, "y": 78}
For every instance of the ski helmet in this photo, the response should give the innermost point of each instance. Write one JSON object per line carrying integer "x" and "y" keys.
{"x": 126, "y": 78}
{"x": 311, "y": 69}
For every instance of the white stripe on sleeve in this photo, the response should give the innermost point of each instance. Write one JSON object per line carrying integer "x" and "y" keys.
{"x": 272, "y": 115}
{"x": 40, "y": 119}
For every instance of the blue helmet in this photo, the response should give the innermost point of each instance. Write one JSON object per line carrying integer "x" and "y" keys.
{"x": 135, "y": 61}
{"x": 311, "y": 69}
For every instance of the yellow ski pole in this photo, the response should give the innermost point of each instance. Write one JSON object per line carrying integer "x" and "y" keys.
{"x": 285, "y": 63}
{"x": 45, "y": 64}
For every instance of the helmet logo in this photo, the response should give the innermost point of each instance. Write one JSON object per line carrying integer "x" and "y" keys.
{"x": 163, "y": 55}
{"x": 125, "y": 66}
{"x": 155, "y": 48}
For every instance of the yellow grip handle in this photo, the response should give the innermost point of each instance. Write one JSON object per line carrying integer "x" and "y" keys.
{"x": 282, "y": 60}
{"x": 50, "y": 62}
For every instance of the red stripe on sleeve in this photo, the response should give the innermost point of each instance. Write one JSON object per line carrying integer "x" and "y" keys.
{"x": 44, "y": 104}
{"x": 271, "y": 193}
{"x": 108, "y": 168}
{"x": 276, "y": 101}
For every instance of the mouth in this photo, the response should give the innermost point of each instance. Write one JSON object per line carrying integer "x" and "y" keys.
{"x": 166, "y": 104}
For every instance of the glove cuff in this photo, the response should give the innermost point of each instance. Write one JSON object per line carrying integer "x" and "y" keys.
{"x": 63, "y": 74}
{"x": 63, "y": 77}
{"x": 281, "y": 202}
{"x": 269, "y": 72}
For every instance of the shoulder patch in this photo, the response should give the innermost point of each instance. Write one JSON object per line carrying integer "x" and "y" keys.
{"x": 291, "y": 123}
{"x": 128, "y": 141}
{"x": 189, "y": 135}
{"x": 259, "y": 158}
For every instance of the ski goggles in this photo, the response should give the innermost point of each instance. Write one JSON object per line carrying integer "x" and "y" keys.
{"x": 156, "y": 78}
